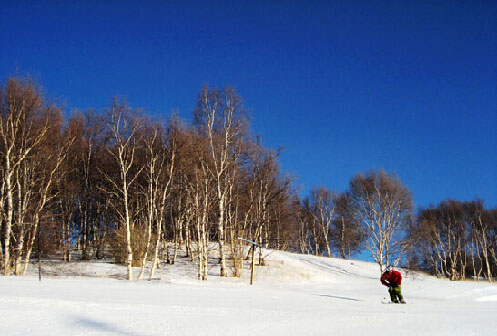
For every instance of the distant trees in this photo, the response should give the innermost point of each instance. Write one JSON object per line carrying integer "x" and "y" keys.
{"x": 267, "y": 193}
{"x": 328, "y": 224}
{"x": 346, "y": 233}
{"x": 317, "y": 214}
{"x": 115, "y": 183}
{"x": 118, "y": 184}
{"x": 457, "y": 239}
{"x": 374, "y": 214}
{"x": 322, "y": 210}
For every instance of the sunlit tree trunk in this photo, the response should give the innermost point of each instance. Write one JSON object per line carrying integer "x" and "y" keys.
{"x": 124, "y": 127}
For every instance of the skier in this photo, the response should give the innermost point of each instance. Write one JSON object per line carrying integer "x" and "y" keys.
{"x": 392, "y": 279}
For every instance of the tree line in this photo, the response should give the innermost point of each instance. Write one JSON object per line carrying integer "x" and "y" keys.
{"x": 118, "y": 183}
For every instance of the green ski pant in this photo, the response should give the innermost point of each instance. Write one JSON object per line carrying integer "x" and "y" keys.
{"x": 395, "y": 293}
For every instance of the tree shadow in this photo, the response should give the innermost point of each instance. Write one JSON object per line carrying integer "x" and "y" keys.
{"x": 339, "y": 297}
{"x": 100, "y": 326}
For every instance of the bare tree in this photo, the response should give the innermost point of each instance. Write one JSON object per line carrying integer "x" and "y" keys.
{"x": 124, "y": 126}
{"x": 86, "y": 159}
{"x": 46, "y": 173}
{"x": 24, "y": 123}
{"x": 82, "y": 206}
{"x": 111, "y": 185}
{"x": 285, "y": 226}
{"x": 194, "y": 195}
{"x": 322, "y": 209}
{"x": 265, "y": 189}
{"x": 451, "y": 233}
{"x": 383, "y": 206}
{"x": 201, "y": 193}
{"x": 24, "y": 195}
{"x": 491, "y": 220}
{"x": 312, "y": 230}
{"x": 2, "y": 213}
{"x": 158, "y": 172}
{"x": 219, "y": 117}
{"x": 346, "y": 235}
{"x": 479, "y": 222}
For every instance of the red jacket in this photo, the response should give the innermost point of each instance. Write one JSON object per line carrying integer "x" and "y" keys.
{"x": 391, "y": 278}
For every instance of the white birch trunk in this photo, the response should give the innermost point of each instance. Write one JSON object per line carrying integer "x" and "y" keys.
{"x": 129, "y": 250}
{"x": 149, "y": 237}
{"x": 220, "y": 228}
{"x": 31, "y": 242}
{"x": 8, "y": 218}
{"x": 156, "y": 250}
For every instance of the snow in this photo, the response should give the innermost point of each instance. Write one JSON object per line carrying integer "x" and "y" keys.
{"x": 293, "y": 295}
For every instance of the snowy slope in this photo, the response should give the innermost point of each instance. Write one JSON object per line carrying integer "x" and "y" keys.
{"x": 293, "y": 295}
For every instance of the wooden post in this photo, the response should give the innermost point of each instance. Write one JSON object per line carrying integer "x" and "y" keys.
{"x": 253, "y": 265}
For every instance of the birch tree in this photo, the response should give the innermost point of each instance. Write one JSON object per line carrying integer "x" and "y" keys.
{"x": 158, "y": 171}
{"x": 491, "y": 220}
{"x": 124, "y": 126}
{"x": 452, "y": 232}
{"x": 479, "y": 223}
{"x": 24, "y": 123}
{"x": 86, "y": 160}
{"x": 346, "y": 234}
{"x": 383, "y": 206}
{"x": 47, "y": 173}
{"x": 323, "y": 212}
{"x": 265, "y": 187}
{"x": 219, "y": 116}
{"x": 201, "y": 192}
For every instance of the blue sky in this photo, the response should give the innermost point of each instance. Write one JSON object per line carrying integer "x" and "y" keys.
{"x": 342, "y": 86}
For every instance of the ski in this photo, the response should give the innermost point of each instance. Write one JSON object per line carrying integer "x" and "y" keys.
{"x": 390, "y": 302}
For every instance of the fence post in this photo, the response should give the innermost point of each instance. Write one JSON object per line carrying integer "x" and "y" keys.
{"x": 253, "y": 265}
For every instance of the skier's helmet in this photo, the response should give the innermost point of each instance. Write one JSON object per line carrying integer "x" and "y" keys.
{"x": 389, "y": 268}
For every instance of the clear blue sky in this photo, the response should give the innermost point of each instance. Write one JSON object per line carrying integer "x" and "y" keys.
{"x": 343, "y": 86}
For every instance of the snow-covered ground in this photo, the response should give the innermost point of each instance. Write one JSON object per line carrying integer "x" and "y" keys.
{"x": 293, "y": 295}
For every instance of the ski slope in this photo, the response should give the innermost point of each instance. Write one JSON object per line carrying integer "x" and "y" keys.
{"x": 293, "y": 295}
